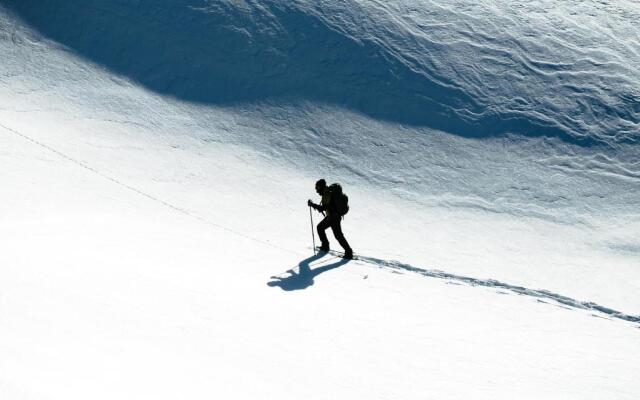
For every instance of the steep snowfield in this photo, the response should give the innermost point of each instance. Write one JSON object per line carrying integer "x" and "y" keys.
{"x": 552, "y": 88}
{"x": 157, "y": 157}
{"x": 567, "y": 69}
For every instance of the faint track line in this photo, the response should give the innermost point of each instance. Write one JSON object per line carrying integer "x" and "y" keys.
{"x": 145, "y": 194}
{"x": 495, "y": 284}
{"x": 391, "y": 264}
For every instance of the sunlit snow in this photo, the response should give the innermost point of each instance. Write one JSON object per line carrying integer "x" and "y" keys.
{"x": 157, "y": 157}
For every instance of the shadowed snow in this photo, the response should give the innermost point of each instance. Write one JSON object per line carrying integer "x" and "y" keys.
{"x": 467, "y": 68}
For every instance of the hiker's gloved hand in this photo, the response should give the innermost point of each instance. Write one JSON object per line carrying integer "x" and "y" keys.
{"x": 310, "y": 204}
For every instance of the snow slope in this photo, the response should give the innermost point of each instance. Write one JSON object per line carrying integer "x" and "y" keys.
{"x": 156, "y": 161}
{"x": 566, "y": 69}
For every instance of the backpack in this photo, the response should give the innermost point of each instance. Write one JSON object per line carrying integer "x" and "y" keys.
{"x": 339, "y": 200}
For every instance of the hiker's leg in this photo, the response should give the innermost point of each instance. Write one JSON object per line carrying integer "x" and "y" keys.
{"x": 337, "y": 232}
{"x": 322, "y": 227}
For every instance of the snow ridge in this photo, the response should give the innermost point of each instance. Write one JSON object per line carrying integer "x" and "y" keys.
{"x": 471, "y": 68}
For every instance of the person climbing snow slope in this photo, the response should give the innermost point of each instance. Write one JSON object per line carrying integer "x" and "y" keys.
{"x": 333, "y": 205}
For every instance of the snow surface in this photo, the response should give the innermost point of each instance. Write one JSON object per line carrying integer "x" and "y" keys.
{"x": 157, "y": 157}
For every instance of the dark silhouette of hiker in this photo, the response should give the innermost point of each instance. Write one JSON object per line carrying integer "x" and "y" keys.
{"x": 333, "y": 205}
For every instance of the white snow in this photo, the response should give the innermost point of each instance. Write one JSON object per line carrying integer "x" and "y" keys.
{"x": 156, "y": 246}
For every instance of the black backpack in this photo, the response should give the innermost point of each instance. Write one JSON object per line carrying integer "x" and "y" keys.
{"x": 339, "y": 200}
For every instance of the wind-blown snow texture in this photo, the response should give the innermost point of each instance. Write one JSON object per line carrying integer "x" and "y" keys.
{"x": 156, "y": 160}
{"x": 473, "y": 68}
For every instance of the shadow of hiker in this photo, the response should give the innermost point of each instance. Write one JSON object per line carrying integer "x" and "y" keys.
{"x": 304, "y": 277}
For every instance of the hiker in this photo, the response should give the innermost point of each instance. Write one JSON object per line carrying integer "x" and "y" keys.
{"x": 334, "y": 205}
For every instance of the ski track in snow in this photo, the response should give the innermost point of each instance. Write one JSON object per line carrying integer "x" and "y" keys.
{"x": 304, "y": 277}
{"x": 494, "y": 284}
{"x": 140, "y": 192}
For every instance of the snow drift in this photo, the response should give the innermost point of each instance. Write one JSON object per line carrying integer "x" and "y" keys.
{"x": 468, "y": 68}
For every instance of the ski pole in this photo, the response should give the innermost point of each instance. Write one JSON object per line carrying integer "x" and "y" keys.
{"x": 313, "y": 235}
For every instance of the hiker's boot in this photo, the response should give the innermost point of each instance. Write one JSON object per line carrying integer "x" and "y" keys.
{"x": 324, "y": 249}
{"x": 348, "y": 255}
